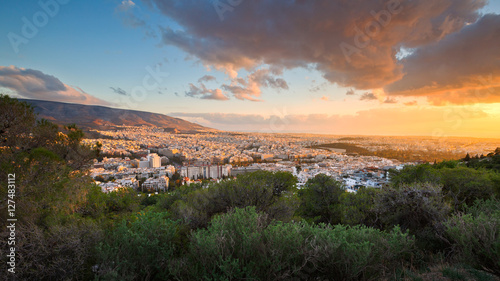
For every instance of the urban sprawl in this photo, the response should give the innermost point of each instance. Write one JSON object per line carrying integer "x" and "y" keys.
{"x": 150, "y": 159}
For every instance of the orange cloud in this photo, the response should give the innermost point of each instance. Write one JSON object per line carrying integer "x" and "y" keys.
{"x": 312, "y": 34}
{"x": 461, "y": 69}
{"x": 34, "y": 84}
{"x": 424, "y": 121}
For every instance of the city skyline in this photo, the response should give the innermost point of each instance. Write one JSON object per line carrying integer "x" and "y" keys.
{"x": 366, "y": 68}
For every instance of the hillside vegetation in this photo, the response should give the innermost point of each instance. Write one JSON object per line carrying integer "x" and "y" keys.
{"x": 434, "y": 222}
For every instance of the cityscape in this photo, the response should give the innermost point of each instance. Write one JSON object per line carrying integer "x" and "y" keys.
{"x": 273, "y": 140}
{"x": 149, "y": 153}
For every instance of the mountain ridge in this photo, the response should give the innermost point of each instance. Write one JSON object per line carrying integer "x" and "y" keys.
{"x": 99, "y": 117}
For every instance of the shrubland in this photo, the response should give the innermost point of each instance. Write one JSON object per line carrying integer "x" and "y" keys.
{"x": 258, "y": 226}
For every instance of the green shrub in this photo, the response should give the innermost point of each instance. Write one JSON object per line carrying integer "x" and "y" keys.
{"x": 243, "y": 244}
{"x": 320, "y": 200}
{"x": 476, "y": 235}
{"x": 272, "y": 193}
{"x": 417, "y": 207}
{"x": 144, "y": 249}
{"x": 357, "y": 208}
{"x": 464, "y": 185}
{"x": 413, "y": 206}
{"x": 63, "y": 251}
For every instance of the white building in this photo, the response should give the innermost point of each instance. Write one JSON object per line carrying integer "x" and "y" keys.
{"x": 206, "y": 172}
{"x": 143, "y": 164}
{"x": 129, "y": 182}
{"x": 154, "y": 160}
{"x": 157, "y": 184}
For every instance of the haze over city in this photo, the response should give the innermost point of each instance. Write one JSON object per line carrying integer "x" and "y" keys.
{"x": 427, "y": 68}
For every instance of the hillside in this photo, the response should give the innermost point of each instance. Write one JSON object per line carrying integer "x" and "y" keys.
{"x": 95, "y": 117}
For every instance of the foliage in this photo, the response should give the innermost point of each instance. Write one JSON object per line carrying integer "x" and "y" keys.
{"x": 490, "y": 162}
{"x": 49, "y": 165}
{"x": 476, "y": 235}
{"x": 240, "y": 228}
{"x": 62, "y": 251}
{"x": 142, "y": 249}
{"x": 461, "y": 184}
{"x": 243, "y": 244}
{"x": 418, "y": 208}
{"x": 415, "y": 174}
{"x": 100, "y": 205}
{"x": 51, "y": 186}
{"x": 357, "y": 208}
{"x": 464, "y": 185}
{"x": 272, "y": 193}
{"x": 319, "y": 200}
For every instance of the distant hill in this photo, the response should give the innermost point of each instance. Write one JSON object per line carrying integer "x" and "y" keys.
{"x": 99, "y": 117}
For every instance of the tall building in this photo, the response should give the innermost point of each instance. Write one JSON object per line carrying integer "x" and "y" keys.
{"x": 206, "y": 172}
{"x": 154, "y": 160}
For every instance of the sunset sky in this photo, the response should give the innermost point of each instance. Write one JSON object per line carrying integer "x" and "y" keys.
{"x": 367, "y": 67}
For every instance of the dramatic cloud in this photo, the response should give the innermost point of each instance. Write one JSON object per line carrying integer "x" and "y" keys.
{"x": 34, "y": 84}
{"x": 390, "y": 100}
{"x": 431, "y": 121}
{"x": 368, "y": 97}
{"x": 462, "y": 68}
{"x": 317, "y": 88}
{"x": 250, "y": 88}
{"x": 207, "y": 78}
{"x": 411, "y": 103}
{"x": 352, "y": 43}
{"x": 119, "y": 91}
{"x": 202, "y": 92}
{"x": 350, "y": 92}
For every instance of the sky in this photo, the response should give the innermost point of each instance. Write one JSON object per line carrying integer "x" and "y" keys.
{"x": 359, "y": 67}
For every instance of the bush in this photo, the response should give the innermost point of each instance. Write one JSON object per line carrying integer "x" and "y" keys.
{"x": 476, "y": 235}
{"x": 418, "y": 208}
{"x": 357, "y": 208}
{"x": 424, "y": 173}
{"x": 144, "y": 249}
{"x": 243, "y": 244}
{"x": 61, "y": 252}
{"x": 465, "y": 185}
{"x": 461, "y": 185}
{"x": 272, "y": 193}
{"x": 319, "y": 200}
{"x": 413, "y": 206}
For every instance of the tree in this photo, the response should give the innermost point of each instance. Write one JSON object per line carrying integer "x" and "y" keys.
{"x": 51, "y": 187}
{"x": 299, "y": 169}
{"x": 357, "y": 208}
{"x": 141, "y": 249}
{"x": 320, "y": 198}
{"x": 17, "y": 119}
{"x": 467, "y": 157}
{"x": 464, "y": 185}
{"x": 412, "y": 174}
{"x": 413, "y": 206}
{"x": 272, "y": 193}
{"x": 417, "y": 207}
